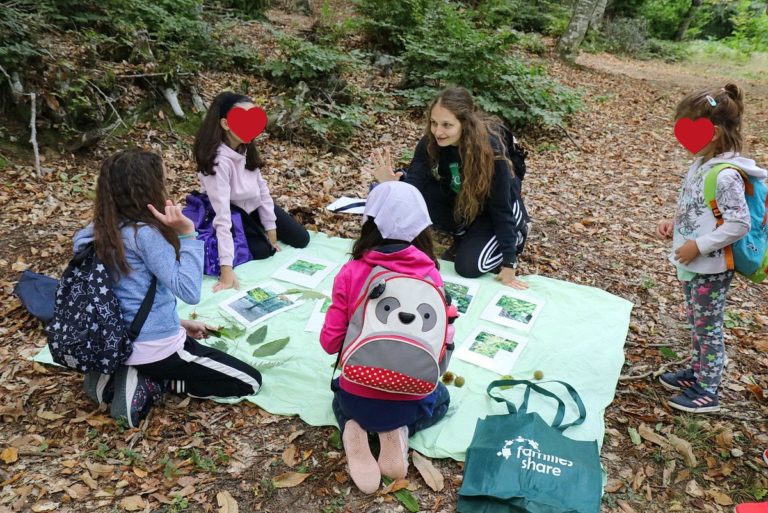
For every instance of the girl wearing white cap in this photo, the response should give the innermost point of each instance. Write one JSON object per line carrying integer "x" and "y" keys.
{"x": 395, "y": 235}
{"x": 472, "y": 192}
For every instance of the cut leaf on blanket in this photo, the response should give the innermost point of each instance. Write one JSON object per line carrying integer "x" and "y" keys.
{"x": 230, "y": 332}
{"x": 305, "y": 293}
{"x": 258, "y": 336}
{"x": 271, "y": 348}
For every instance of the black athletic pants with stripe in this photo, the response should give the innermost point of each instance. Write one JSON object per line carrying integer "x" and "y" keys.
{"x": 204, "y": 372}
{"x": 476, "y": 247}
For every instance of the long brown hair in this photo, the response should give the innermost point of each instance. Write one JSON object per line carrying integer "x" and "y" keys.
{"x": 210, "y": 135}
{"x": 128, "y": 181}
{"x": 726, "y": 113}
{"x": 370, "y": 238}
{"x": 477, "y": 154}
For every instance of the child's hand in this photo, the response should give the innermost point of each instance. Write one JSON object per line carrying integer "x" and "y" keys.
{"x": 196, "y": 329}
{"x": 227, "y": 279}
{"x": 272, "y": 236}
{"x": 507, "y": 277}
{"x": 382, "y": 167}
{"x": 664, "y": 229}
{"x": 687, "y": 252}
{"x": 173, "y": 218}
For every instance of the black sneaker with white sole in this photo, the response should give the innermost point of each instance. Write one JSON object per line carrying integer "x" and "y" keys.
{"x": 679, "y": 380}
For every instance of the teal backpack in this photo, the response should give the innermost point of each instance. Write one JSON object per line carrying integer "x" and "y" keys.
{"x": 749, "y": 255}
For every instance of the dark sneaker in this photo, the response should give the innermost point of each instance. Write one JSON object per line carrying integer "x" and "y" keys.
{"x": 99, "y": 387}
{"x": 134, "y": 395}
{"x": 679, "y": 380}
{"x": 695, "y": 399}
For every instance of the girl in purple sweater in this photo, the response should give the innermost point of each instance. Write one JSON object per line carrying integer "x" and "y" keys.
{"x": 230, "y": 173}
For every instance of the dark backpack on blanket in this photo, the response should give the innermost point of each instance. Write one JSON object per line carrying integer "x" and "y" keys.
{"x": 87, "y": 331}
{"x": 397, "y": 340}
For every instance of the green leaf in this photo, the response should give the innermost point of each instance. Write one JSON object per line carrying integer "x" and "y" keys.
{"x": 668, "y": 353}
{"x": 405, "y": 497}
{"x": 335, "y": 439}
{"x": 230, "y": 332}
{"x": 258, "y": 336}
{"x": 220, "y": 345}
{"x": 305, "y": 293}
{"x": 271, "y": 348}
{"x": 634, "y": 436}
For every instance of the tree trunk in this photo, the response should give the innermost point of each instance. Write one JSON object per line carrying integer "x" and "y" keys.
{"x": 597, "y": 15}
{"x": 568, "y": 46}
{"x": 686, "y": 22}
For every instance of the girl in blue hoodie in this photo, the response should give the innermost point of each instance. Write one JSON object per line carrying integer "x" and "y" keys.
{"x": 698, "y": 242}
{"x": 139, "y": 233}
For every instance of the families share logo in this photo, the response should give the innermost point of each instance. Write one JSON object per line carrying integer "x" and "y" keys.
{"x": 531, "y": 458}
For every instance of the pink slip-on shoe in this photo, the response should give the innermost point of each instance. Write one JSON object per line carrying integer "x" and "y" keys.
{"x": 362, "y": 465}
{"x": 393, "y": 457}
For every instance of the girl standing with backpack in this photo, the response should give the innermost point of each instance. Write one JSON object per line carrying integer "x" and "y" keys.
{"x": 699, "y": 241}
{"x": 470, "y": 187}
{"x": 230, "y": 173}
{"x": 395, "y": 235}
{"x": 138, "y": 233}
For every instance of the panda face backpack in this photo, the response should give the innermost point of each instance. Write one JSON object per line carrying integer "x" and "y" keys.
{"x": 397, "y": 341}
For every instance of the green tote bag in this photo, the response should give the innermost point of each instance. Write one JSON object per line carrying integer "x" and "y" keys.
{"x": 518, "y": 463}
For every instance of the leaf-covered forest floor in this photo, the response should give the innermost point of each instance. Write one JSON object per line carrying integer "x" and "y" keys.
{"x": 595, "y": 209}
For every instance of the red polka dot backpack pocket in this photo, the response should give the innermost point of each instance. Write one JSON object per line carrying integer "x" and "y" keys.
{"x": 399, "y": 339}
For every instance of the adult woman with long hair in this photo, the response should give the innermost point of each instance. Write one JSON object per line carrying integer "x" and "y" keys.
{"x": 461, "y": 168}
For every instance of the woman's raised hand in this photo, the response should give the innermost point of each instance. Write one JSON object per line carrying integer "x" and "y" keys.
{"x": 173, "y": 218}
{"x": 382, "y": 166}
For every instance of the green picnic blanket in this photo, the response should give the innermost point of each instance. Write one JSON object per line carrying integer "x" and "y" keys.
{"x": 578, "y": 338}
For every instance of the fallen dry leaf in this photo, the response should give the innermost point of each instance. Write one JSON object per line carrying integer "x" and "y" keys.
{"x": 227, "y": 503}
{"x": 685, "y": 449}
{"x": 397, "y": 484}
{"x": 45, "y": 506}
{"x": 649, "y": 434}
{"x": 693, "y": 489}
{"x": 625, "y": 507}
{"x": 289, "y": 479}
{"x": 132, "y": 503}
{"x": 290, "y": 458}
{"x": 293, "y": 436}
{"x": 613, "y": 485}
{"x": 429, "y": 473}
{"x": 10, "y": 455}
{"x": 49, "y": 415}
{"x": 77, "y": 491}
{"x": 99, "y": 469}
{"x": 720, "y": 498}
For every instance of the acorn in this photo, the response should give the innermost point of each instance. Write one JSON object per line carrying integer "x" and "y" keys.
{"x": 538, "y": 375}
{"x": 459, "y": 382}
{"x": 448, "y": 377}
{"x": 506, "y": 387}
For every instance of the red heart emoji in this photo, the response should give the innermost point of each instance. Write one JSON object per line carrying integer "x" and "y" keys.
{"x": 694, "y": 135}
{"x": 247, "y": 124}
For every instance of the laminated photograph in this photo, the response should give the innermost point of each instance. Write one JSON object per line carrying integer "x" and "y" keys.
{"x": 305, "y": 271}
{"x": 259, "y": 304}
{"x": 490, "y": 349}
{"x": 462, "y": 292}
{"x": 513, "y": 309}
{"x": 317, "y": 319}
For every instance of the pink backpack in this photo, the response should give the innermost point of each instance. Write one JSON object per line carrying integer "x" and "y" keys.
{"x": 399, "y": 338}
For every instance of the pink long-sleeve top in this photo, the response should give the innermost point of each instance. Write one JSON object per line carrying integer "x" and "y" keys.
{"x": 346, "y": 289}
{"x": 233, "y": 183}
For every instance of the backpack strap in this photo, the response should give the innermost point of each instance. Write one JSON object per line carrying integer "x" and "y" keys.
{"x": 143, "y": 313}
{"x": 710, "y": 197}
